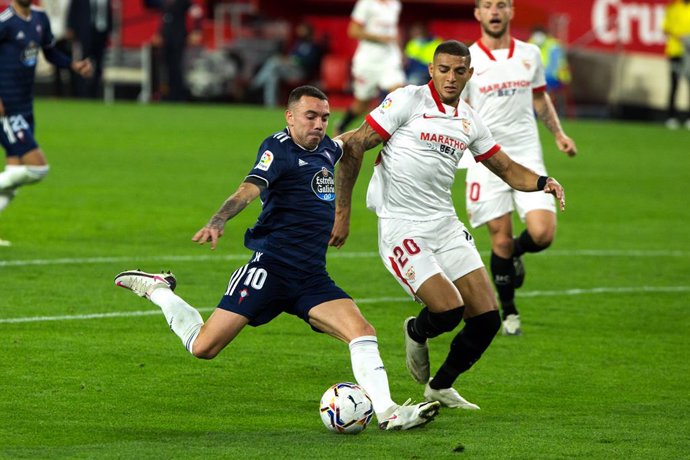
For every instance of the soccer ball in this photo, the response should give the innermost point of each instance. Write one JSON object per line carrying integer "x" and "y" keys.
{"x": 346, "y": 408}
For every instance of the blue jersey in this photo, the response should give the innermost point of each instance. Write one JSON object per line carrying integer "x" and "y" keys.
{"x": 298, "y": 203}
{"x": 20, "y": 41}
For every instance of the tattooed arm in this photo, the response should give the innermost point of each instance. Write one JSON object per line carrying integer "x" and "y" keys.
{"x": 245, "y": 194}
{"x": 355, "y": 143}
{"x": 522, "y": 178}
{"x": 547, "y": 114}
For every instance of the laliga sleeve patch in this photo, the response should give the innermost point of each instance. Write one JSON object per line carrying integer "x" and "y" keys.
{"x": 265, "y": 161}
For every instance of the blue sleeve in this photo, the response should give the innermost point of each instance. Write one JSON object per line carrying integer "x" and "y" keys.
{"x": 55, "y": 57}
{"x": 338, "y": 150}
{"x": 270, "y": 161}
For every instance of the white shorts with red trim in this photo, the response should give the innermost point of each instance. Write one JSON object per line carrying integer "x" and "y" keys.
{"x": 414, "y": 251}
{"x": 487, "y": 197}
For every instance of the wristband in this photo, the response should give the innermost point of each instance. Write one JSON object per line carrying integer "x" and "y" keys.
{"x": 541, "y": 182}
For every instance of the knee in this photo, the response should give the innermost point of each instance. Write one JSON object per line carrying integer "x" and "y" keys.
{"x": 366, "y": 329}
{"x": 543, "y": 237}
{"x": 502, "y": 245}
{"x": 204, "y": 352}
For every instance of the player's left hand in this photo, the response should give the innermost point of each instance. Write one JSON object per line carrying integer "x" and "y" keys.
{"x": 566, "y": 144}
{"x": 83, "y": 68}
{"x": 554, "y": 188}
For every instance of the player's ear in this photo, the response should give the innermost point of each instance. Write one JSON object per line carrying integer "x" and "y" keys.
{"x": 431, "y": 69}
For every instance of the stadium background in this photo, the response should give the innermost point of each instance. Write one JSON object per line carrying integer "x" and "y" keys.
{"x": 90, "y": 371}
{"x": 615, "y": 47}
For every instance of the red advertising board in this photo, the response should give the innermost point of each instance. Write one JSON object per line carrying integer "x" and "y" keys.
{"x": 630, "y": 25}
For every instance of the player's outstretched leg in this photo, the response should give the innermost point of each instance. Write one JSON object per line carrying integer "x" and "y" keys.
{"x": 410, "y": 416}
{"x": 182, "y": 318}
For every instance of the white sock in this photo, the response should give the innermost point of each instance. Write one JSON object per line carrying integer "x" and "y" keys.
{"x": 16, "y": 175}
{"x": 370, "y": 373}
{"x": 5, "y": 197}
{"x": 182, "y": 318}
{"x": 12, "y": 176}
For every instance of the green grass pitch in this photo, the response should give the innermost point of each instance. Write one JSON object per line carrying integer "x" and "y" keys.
{"x": 90, "y": 371}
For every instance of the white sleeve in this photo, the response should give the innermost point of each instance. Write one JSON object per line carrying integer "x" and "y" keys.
{"x": 395, "y": 110}
{"x": 539, "y": 78}
{"x": 482, "y": 144}
{"x": 360, "y": 13}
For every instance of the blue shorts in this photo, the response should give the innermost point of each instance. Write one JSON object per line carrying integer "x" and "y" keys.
{"x": 17, "y": 134}
{"x": 265, "y": 288}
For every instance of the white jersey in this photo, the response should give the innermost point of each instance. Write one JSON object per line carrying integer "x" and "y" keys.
{"x": 501, "y": 92}
{"x": 424, "y": 141}
{"x": 377, "y": 17}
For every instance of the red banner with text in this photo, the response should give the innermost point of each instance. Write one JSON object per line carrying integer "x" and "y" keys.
{"x": 603, "y": 24}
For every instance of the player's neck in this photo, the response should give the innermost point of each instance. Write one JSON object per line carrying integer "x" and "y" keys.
{"x": 496, "y": 43}
{"x": 23, "y": 11}
{"x": 453, "y": 102}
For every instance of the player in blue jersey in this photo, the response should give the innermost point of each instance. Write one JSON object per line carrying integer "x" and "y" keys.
{"x": 24, "y": 30}
{"x": 293, "y": 176}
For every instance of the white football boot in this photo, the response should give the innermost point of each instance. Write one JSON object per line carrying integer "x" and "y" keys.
{"x": 448, "y": 397}
{"x": 409, "y": 416}
{"x": 143, "y": 284}
{"x": 416, "y": 356}
{"x": 511, "y": 325}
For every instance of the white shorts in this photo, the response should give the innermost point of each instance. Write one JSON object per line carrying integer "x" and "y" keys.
{"x": 414, "y": 251}
{"x": 371, "y": 77}
{"x": 487, "y": 197}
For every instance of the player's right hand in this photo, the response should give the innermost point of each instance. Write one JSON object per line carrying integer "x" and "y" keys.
{"x": 208, "y": 235}
{"x": 340, "y": 231}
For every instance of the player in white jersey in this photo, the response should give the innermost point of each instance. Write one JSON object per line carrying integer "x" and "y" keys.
{"x": 425, "y": 130}
{"x": 507, "y": 88}
{"x": 377, "y": 63}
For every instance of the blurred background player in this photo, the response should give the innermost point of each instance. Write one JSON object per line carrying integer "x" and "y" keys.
{"x": 677, "y": 29}
{"x": 24, "y": 30}
{"x": 377, "y": 63}
{"x": 293, "y": 175}
{"x": 556, "y": 70}
{"x": 173, "y": 38}
{"x": 89, "y": 24}
{"x": 57, "y": 11}
{"x": 507, "y": 88}
{"x": 419, "y": 52}
{"x": 302, "y": 63}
